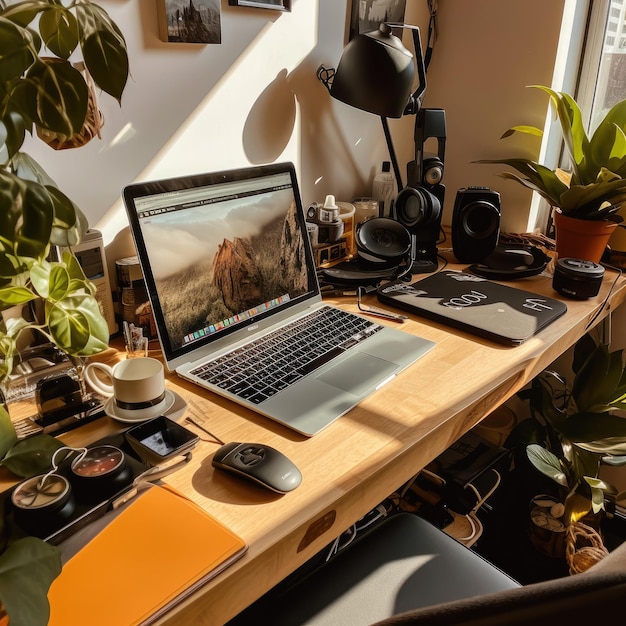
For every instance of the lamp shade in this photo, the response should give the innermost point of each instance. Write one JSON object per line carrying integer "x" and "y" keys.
{"x": 375, "y": 73}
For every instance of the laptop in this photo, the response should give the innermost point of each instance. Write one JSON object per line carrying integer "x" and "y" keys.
{"x": 504, "y": 314}
{"x": 229, "y": 270}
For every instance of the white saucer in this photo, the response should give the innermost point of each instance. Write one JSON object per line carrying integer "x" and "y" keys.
{"x": 174, "y": 407}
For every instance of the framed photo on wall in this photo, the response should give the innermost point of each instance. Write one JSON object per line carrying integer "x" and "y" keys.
{"x": 368, "y": 15}
{"x": 181, "y": 21}
{"x": 276, "y": 5}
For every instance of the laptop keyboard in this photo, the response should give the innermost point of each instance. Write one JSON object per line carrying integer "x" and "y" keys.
{"x": 272, "y": 363}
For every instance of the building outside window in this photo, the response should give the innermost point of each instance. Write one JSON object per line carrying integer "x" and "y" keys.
{"x": 609, "y": 60}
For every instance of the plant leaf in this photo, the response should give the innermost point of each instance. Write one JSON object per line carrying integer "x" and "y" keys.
{"x": 590, "y": 382}
{"x": 59, "y": 29}
{"x": 538, "y": 177}
{"x": 8, "y": 436}
{"x": 600, "y": 485}
{"x": 24, "y": 12}
{"x": 58, "y": 285}
{"x": 608, "y": 143}
{"x": 62, "y": 97}
{"x": 27, "y": 569}
{"x": 77, "y": 325}
{"x": 579, "y": 201}
{"x": 31, "y": 456}
{"x": 615, "y": 461}
{"x": 104, "y": 49}
{"x": 70, "y": 224}
{"x": 12, "y": 296}
{"x": 576, "y": 507}
{"x": 12, "y": 133}
{"x": 529, "y": 130}
{"x": 589, "y": 427}
{"x": 40, "y": 277}
{"x": 583, "y": 349}
{"x": 547, "y": 463}
{"x": 16, "y": 51}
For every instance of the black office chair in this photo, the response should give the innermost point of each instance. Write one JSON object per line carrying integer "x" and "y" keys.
{"x": 406, "y": 571}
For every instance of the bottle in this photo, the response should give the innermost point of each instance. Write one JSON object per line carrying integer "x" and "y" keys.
{"x": 384, "y": 190}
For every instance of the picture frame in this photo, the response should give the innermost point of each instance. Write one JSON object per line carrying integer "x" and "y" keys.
{"x": 183, "y": 22}
{"x": 367, "y": 15}
{"x": 274, "y": 5}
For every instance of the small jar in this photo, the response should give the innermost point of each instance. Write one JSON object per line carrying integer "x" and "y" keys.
{"x": 100, "y": 473}
{"x": 365, "y": 209}
{"x": 43, "y": 504}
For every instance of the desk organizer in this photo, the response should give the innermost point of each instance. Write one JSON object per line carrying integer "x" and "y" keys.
{"x": 77, "y": 493}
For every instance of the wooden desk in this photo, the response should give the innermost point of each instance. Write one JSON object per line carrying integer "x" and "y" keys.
{"x": 359, "y": 460}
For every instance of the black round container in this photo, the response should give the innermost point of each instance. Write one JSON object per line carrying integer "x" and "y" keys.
{"x": 100, "y": 473}
{"x": 43, "y": 504}
{"x": 577, "y": 278}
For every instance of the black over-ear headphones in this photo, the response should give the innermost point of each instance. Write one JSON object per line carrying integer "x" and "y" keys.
{"x": 418, "y": 207}
{"x": 510, "y": 262}
{"x": 382, "y": 241}
{"x": 382, "y": 245}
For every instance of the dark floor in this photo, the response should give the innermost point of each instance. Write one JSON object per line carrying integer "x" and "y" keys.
{"x": 505, "y": 540}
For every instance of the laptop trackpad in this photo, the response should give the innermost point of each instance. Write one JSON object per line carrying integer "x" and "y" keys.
{"x": 358, "y": 373}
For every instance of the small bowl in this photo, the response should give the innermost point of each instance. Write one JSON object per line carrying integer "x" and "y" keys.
{"x": 43, "y": 504}
{"x": 100, "y": 473}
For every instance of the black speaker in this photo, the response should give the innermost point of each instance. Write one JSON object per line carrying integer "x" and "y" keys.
{"x": 475, "y": 223}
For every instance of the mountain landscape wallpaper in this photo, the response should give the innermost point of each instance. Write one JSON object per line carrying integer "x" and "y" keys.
{"x": 212, "y": 263}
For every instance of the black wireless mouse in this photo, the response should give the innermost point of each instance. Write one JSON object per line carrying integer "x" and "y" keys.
{"x": 259, "y": 463}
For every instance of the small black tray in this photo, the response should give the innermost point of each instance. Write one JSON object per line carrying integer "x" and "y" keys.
{"x": 88, "y": 510}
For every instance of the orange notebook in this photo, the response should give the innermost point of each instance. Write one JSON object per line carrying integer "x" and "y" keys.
{"x": 151, "y": 556}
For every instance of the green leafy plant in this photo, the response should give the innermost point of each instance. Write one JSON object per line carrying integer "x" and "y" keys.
{"x": 28, "y": 565}
{"x": 45, "y": 94}
{"x": 595, "y": 187}
{"x": 575, "y": 429}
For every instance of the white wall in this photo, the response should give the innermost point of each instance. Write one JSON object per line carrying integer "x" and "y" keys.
{"x": 255, "y": 98}
{"x": 487, "y": 54}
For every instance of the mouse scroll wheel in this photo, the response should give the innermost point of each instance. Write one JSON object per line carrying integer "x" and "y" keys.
{"x": 250, "y": 456}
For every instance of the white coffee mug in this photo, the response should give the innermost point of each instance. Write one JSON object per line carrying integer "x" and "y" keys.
{"x": 137, "y": 386}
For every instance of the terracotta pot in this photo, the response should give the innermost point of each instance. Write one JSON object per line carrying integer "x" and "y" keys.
{"x": 581, "y": 239}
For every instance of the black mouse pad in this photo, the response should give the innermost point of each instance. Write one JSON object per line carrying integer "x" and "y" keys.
{"x": 488, "y": 309}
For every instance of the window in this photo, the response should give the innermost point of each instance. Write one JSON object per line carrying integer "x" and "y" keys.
{"x": 603, "y": 76}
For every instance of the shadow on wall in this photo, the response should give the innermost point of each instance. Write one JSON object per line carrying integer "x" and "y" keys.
{"x": 272, "y": 121}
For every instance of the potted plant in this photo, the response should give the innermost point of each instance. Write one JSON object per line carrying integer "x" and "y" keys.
{"x": 573, "y": 430}
{"x": 591, "y": 193}
{"x": 42, "y": 92}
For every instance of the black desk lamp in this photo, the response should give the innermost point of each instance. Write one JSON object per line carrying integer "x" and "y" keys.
{"x": 376, "y": 74}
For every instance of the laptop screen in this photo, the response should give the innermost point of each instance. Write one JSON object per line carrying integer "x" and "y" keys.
{"x": 220, "y": 251}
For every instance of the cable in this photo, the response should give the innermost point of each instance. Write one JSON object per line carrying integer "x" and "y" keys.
{"x": 433, "y": 9}
{"x": 199, "y": 421}
{"x": 608, "y": 295}
{"x": 206, "y": 430}
{"x": 472, "y": 526}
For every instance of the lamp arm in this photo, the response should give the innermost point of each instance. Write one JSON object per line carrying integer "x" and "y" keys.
{"x": 392, "y": 153}
{"x": 416, "y": 99}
